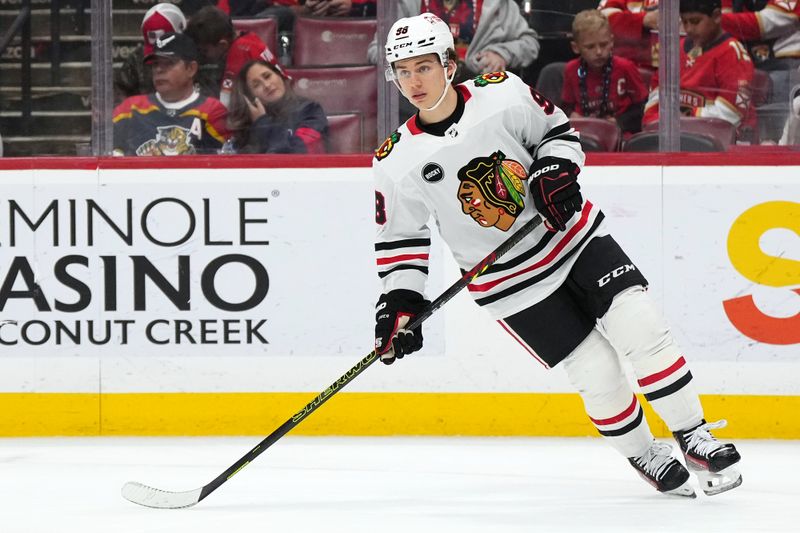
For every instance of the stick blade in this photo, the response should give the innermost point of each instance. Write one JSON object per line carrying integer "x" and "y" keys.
{"x": 159, "y": 499}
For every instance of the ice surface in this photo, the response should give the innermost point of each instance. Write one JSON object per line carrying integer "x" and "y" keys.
{"x": 381, "y": 485}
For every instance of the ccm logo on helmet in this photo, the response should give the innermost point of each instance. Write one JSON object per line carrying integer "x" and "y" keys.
{"x": 617, "y": 272}
{"x": 401, "y": 45}
{"x": 543, "y": 170}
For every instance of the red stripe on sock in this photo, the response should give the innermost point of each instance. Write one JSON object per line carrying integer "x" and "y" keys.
{"x": 649, "y": 380}
{"x": 618, "y": 418}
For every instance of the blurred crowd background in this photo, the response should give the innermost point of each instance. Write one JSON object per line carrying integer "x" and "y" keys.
{"x": 142, "y": 77}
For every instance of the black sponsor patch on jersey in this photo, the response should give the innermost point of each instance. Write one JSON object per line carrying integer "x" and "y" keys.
{"x": 432, "y": 172}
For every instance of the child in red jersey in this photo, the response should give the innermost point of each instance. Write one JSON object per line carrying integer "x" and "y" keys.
{"x": 716, "y": 70}
{"x": 599, "y": 84}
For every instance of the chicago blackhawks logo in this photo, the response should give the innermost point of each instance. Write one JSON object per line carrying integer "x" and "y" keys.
{"x": 490, "y": 77}
{"x": 170, "y": 140}
{"x": 385, "y": 149}
{"x": 492, "y": 190}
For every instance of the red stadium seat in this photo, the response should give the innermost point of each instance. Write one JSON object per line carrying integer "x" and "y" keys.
{"x": 715, "y": 127}
{"x": 342, "y": 90}
{"x": 265, "y": 28}
{"x": 344, "y": 132}
{"x": 331, "y": 41}
{"x": 647, "y": 141}
{"x": 597, "y": 134}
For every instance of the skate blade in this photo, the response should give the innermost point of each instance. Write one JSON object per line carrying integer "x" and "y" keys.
{"x": 684, "y": 491}
{"x": 719, "y": 482}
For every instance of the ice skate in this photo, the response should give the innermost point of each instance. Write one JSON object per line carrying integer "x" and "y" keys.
{"x": 713, "y": 462}
{"x": 664, "y": 472}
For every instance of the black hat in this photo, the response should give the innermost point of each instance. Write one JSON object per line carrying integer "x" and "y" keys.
{"x": 175, "y": 45}
{"x": 705, "y": 7}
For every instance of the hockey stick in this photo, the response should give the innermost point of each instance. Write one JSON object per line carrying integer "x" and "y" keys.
{"x": 163, "y": 499}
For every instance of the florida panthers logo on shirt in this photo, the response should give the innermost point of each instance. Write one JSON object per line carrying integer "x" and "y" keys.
{"x": 170, "y": 140}
{"x": 490, "y": 77}
{"x": 385, "y": 149}
{"x": 492, "y": 191}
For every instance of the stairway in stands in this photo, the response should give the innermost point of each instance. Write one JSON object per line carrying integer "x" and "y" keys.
{"x": 60, "y": 121}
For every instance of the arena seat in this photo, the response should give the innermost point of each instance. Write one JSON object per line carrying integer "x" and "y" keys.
{"x": 331, "y": 41}
{"x": 597, "y": 134}
{"x": 265, "y": 28}
{"x": 344, "y": 132}
{"x": 647, "y": 141}
{"x": 715, "y": 127}
{"x": 342, "y": 90}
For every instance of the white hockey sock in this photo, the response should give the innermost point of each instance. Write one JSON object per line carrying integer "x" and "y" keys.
{"x": 637, "y": 331}
{"x": 594, "y": 370}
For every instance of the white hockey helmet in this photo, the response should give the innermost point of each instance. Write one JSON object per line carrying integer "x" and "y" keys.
{"x": 417, "y": 36}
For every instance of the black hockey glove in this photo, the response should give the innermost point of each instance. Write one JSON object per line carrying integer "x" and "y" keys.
{"x": 555, "y": 190}
{"x": 394, "y": 310}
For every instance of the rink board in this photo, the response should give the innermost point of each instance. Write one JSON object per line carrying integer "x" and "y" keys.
{"x": 218, "y": 296}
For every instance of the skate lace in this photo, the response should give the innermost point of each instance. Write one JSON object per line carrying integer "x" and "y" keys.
{"x": 656, "y": 459}
{"x": 702, "y": 442}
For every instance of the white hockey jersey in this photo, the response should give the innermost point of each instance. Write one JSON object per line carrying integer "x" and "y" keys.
{"x": 473, "y": 181}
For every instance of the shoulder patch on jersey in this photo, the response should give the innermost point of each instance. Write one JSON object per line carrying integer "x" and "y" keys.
{"x": 489, "y": 78}
{"x": 385, "y": 149}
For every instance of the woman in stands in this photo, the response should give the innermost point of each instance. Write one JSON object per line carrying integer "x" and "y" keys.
{"x": 267, "y": 117}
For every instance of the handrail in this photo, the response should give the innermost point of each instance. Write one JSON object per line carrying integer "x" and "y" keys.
{"x": 23, "y": 15}
{"x": 22, "y": 25}
{"x": 55, "y": 41}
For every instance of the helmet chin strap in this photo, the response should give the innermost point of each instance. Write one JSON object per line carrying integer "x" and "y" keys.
{"x": 447, "y": 82}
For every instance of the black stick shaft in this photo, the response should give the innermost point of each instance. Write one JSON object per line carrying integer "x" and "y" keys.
{"x": 362, "y": 365}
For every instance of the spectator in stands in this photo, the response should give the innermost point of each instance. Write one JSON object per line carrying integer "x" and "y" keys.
{"x": 633, "y": 23}
{"x": 340, "y": 8}
{"x": 176, "y": 119}
{"x": 716, "y": 70}
{"x": 772, "y": 35}
{"x": 489, "y": 36}
{"x": 134, "y": 77}
{"x": 598, "y": 83}
{"x": 768, "y": 27}
{"x": 281, "y": 10}
{"x": 267, "y": 117}
{"x": 218, "y": 42}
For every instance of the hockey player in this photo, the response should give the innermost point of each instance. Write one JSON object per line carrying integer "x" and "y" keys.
{"x": 481, "y": 158}
{"x": 176, "y": 119}
{"x": 716, "y": 69}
